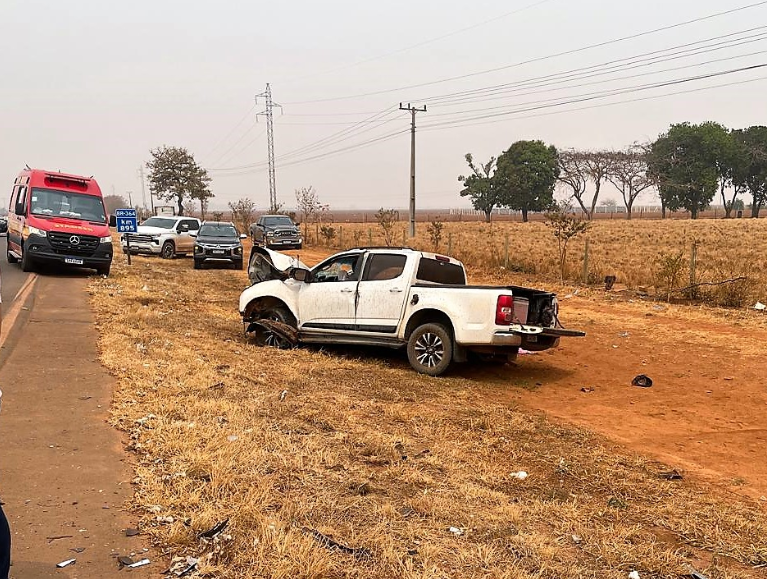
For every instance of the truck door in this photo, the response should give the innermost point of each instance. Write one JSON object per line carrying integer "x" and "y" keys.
{"x": 16, "y": 221}
{"x": 382, "y": 293}
{"x": 327, "y": 301}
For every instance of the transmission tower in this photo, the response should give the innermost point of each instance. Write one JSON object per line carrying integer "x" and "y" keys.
{"x": 268, "y": 112}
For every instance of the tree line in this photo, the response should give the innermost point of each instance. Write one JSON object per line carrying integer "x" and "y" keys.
{"x": 687, "y": 167}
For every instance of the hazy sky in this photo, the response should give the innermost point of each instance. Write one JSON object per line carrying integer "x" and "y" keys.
{"x": 89, "y": 86}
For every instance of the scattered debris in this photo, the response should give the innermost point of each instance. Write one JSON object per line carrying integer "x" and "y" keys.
{"x": 760, "y": 307}
{"x": 283, "y": 394}
{"x": 616, "y": 503}
{"x": 695, "y": 574}
{"x": 329, "y": 543}
{"x": 57, "y": 537}
{"x": 520, "y": 475}
{"x": 729, "y": 378}
{"x": 576, "y": 539}
{"x": 643, "y": 381}
{"x": 232, "y": 437}
{"x": 215, "y": 530}
{"x": 78, "y": 549}
{"x": 456, "y": 531}
{"x": 634, "y": 575}
{"x": 523, "y": 352}
{"x": 132, "y": 532}
{"x": 66, "y": 563}
{"x": 191, "y": 565}
{"x": 672, "y": 475}
{"x": 610, "y": 282}
{"x": 399, "y": 448}
{"x": 125, "y": 561}
{"x": 85, "y": 397}
{"x": 623, "y": 335}
{"x": 141, "y": 563}
{"x": 587, "y": 389}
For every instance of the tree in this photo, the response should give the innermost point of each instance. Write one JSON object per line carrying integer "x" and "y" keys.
{"x": 174, "y": 175}
{"x": 684, "y": 165}
{"x": 309, "y": 205}
{"x": 751, "y": 176}
{"x": 597, "y": 168}
{"x": 572, "y": 173}
{"x": 628, "y": 173}
{"x": 564, "y": 227}
{"x": 480, "y": 186}
{"x": 526, "y": 175}
{"x": 243, "y": 211}
{"x": 112, "y": 202}
{"x": 386, "y": 219}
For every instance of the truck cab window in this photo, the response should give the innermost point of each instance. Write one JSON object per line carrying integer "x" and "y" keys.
{"x": 342, "y": 268}
{"x": 384, "y": 266}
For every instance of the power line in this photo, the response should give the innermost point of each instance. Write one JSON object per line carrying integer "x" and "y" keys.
{"x": 419, "y": 44}
{"x": 230, "y": 133}
{"x": 224, "y": 155}
{"x": 542, "y": 58}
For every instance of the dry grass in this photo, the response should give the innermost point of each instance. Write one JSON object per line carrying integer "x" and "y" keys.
{"x": 628, "y": 250}
{"x": 213, "y": 440}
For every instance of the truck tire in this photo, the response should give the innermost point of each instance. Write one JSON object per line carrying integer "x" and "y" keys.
{"x": 168, "y": 250}
{"x": 430, "y": 349}
{"x": 104, "y": 270}
{"x": 238, "y": 264}
{"x": 26, "y": 261}
{"x": 277, "y": 314}
{"x": 197, "y": 264}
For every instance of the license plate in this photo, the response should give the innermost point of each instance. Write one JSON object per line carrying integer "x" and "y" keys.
{"x": 73, "y": 261}
{"x": 218, "y": 252}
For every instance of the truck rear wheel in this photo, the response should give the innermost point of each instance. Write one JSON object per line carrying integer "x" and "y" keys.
{"x": 168, "y": 250}
{"x": 430, "y": 349}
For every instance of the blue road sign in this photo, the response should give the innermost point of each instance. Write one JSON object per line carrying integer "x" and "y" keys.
{"x": 127, "y": 221}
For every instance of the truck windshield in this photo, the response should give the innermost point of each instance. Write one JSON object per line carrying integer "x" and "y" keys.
{"x": 278, "y": 222}
{"x": 53, "y": 203}
{"x": 161, "y": 222}
{"x": 218, "y": 230}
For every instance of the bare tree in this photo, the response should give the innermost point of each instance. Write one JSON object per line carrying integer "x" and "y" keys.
{"x": 386, "y": 219}
{"x": 597, "y": 169}
{"x": 573, "y": 174}
{"x": 628, "y": 173}
{"x": 308, "y": 203}
{"x": 564, "y": 227}
{"x": 243, "y": 211}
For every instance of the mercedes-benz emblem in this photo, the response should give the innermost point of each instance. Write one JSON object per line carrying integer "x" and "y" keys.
{"x": 74, "y": 240}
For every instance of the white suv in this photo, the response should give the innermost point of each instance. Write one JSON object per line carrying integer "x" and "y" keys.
{"x": 164, "y": 235}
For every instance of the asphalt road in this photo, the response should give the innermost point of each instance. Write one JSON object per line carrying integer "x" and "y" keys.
{"x": 12, "y": 276}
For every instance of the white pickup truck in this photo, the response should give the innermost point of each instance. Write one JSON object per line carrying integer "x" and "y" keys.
{"x": 396, "y": 298}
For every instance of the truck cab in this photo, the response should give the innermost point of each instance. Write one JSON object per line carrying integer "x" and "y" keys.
{"x": 58, "y": 218}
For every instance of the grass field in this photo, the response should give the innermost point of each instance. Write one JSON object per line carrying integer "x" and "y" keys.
{"x": 355, "y": 446}
{"x": 629, "y": 250}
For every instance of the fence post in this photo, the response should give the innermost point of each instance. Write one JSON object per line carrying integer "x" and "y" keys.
{"x": 450, "y": 243}
{"x": 404, "y": 239}
{"x": 317, "y": 233}
{"x": 693, "y": 265}
{"x": 506, "y": 250}
{"x": 586, "y": 263}
{"x": 370, "y": 237}
{"x": 340, "y": 237}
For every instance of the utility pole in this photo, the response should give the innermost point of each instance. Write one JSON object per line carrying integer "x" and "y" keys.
{"x": 143, "y": 189}
{"x": 130, "y": 198}
{"x": 413, "y": 110}
{"x": 268, "y": 112}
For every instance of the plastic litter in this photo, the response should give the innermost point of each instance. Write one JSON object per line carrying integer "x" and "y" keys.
{"x": 215, "y": 530}
{"x": 141, "y": 563}
{"x": 520, "y": 475}
{"x": 576, "y": 539}
{"x": 66, "y": 563}
{"x": 642, "y": 381}
{"x": 456, "y": 531}
{"x": 760, "y": 307}
{"x": 283, "y": 394}
{"x": 232, "y": 437}
{"x": 634, "y": 575}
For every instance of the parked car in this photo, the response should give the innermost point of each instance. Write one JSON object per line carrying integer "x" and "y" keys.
{"x": 3, "y": 225}
{"x": 276, "y": 231}
{"x": 218, "y": 242}
{"x": 398, "y": 298}
{"x": 167, "y": 236}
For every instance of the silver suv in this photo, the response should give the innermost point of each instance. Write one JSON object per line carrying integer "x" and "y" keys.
{"x": 166, "y": 235}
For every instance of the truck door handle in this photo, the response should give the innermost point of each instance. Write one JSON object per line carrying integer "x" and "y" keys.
{"x": 347, "y": 291}
{"x": 394, "y": 290}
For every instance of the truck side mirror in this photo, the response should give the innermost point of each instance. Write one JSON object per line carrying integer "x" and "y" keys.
{"x": 300, "y": 274}
{"x": 112, "y": 221}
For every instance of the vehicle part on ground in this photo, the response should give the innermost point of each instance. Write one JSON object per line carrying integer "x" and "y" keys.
{"x": 333, "y": 545}
{"x": 430, "y": 349}
{"x": 642, "y": 381}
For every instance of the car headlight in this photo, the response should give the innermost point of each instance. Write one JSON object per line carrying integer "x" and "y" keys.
{"x": 238, "y": 250}
{"x": 107, "y": 239}
{"x": 270, "y": 234}
{"x": 35, "y": 231}
{"x": 198, "y": 248}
